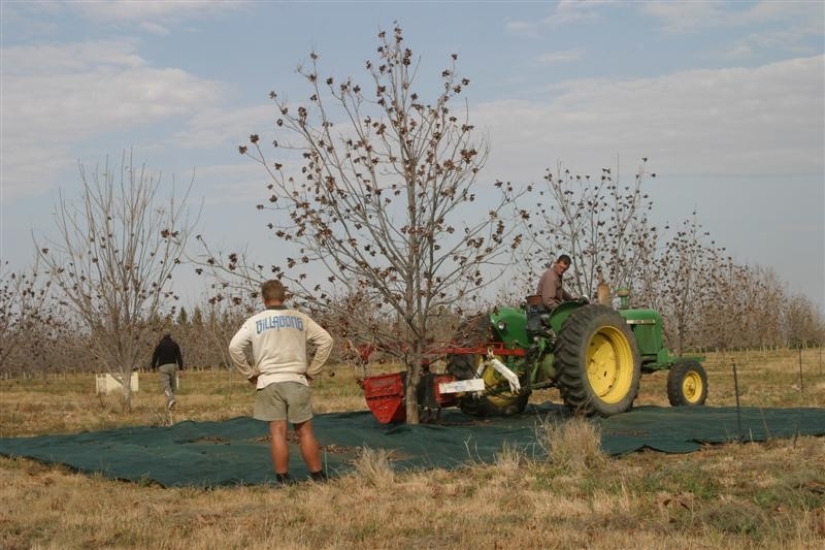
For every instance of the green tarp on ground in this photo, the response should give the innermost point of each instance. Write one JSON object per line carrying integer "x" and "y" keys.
{"x": 236, "y": 451}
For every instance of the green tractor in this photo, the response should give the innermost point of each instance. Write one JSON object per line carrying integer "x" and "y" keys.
{"x": 595, "y": 355}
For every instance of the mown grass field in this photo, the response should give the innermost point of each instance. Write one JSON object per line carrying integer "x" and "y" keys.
{"x": 755, "y": 495}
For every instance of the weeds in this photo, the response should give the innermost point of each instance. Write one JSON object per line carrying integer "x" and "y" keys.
{"x": 373, "y": 467}
{"x": 573, "y": 445}
{"x": 510, "y": 460}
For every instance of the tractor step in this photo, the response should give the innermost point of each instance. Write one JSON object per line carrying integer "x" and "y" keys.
{"x": 473, "y": 384}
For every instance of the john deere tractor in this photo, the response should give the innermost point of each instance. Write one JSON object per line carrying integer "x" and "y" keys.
{"x": 593, "y": 354}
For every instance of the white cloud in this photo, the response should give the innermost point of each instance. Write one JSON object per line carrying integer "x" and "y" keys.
{"x": 808, "y": 14}
{"x": 523, "y": 28}
{"x": 783, "y": 39}
{"x": 154, "y": 28}
{"x": 800, "y": 19}
{"x": 737, "y": 52}
{"x": 155, "y": 17}
{"x": 679, "y": 17}
{"x": 105, "y": 11}
{"x": 562, "y": 56}
{"x": 732, "y": 121}
{"x": 47, "y": 59}
{"x": 783, "y": 26}
{"x": 244, "y": 182}
{"x": 568, "y": 12}
{"x": 213, "y": 127}
{"x": 55, "y": 96}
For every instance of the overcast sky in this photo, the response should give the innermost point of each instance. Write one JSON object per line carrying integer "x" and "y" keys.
{"x": 726, "y": 99}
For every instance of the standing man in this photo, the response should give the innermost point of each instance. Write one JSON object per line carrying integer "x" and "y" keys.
{"x": 167, "y": 359}
{"x": 550, "y": 285}
{"x": 275, "y": 340}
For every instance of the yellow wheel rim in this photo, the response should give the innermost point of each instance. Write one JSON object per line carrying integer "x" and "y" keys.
{"x": 493, "y": 379}
{"x": 692, "y": 387}
{"x": 610, "y": 365}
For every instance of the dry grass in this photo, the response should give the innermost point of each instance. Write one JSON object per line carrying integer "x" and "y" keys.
{"x": 572, "y": 445}
{"x": 769, "y": 495}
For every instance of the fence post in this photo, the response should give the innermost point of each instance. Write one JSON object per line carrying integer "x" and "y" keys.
{"x": 738, "y": 407}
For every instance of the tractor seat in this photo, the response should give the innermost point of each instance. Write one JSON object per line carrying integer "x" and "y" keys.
{"x": 538, "y": 317}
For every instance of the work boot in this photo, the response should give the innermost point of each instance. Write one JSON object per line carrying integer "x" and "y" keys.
{"x": 282, "y": 480}
{"x": 319, "y": 477}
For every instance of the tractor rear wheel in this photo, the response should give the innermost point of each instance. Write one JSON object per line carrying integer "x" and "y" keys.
{"x": 687, "y": 384}
{"x": 597, "y": 362}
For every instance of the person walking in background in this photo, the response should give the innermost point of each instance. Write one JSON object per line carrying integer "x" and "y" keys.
{"x": 167, "y": 359}
{"x": 275, "y": 340}
{"x": 550, "y": 286}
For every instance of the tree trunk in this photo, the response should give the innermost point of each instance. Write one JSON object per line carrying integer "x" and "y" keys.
{"x": 411, "y": 392}
{"x": 125, "y": 379}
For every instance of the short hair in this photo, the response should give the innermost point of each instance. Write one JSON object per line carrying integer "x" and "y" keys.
{"x": 273, "y": 290}
{"x": 564, "y": 259}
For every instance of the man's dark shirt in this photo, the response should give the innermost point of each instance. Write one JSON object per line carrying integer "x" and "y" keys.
{"x": 167, "y": 351}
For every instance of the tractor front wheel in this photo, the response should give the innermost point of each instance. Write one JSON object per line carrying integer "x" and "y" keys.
{"x": 687, "y": 384}
{"x": 597, "y": 362}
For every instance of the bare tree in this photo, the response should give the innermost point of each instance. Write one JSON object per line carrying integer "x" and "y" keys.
{"x": 765, "y": 294}
{"x": 113, "y": 258}
{"x": 221, "y": 322}
{"x": 804, "y": 324}
{"x": 601, "y": 223}
{"x": 604, "y": 225}
{"x": 705, "y": 297}
{"x": 690, "y": 273}
{"x": 376, "y": 187}
{"x": 748, "y": 307}
{"x": 25, "y": 307}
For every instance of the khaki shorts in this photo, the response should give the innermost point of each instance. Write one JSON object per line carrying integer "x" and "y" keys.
{"x": 283, "y": 401}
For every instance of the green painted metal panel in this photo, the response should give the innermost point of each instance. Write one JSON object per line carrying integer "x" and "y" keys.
{"x": 510, "y": 325}
{"x": 646, "y": 325}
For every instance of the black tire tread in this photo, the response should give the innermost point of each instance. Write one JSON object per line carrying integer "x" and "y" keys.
{"x": 570, "y": 357}
{"x": 675, "y": 378}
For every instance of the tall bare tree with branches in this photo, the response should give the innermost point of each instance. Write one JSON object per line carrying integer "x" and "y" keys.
{"x": 27, "y": 312}
{"x": 113, "y": 257}
{"x": 599, "y": 221}
{"x": 688, "y": 272}
{"x": 604, "y": 225}
{"x": 804, "y": 325}
{"x": 377, "y": 188}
